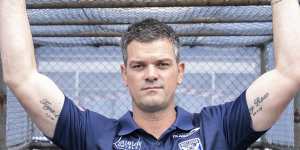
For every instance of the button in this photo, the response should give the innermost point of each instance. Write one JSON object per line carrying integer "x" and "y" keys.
{"x": 157, "y": 142}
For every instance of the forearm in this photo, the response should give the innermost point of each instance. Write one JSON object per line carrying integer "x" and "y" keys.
{"x": 38, "y": 94}
{"x": 286, "y": 23}
{"x": 17, "y": 51}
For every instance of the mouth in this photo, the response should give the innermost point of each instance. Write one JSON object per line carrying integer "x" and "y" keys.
{"x": 151, "y": 88}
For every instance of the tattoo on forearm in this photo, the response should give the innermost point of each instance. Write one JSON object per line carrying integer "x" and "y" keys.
{"x": 257, "y": 107}
{"x": 48, "y": 109}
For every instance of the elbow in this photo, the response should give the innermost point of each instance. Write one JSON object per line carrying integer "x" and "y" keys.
{"x": 292, "y": 72}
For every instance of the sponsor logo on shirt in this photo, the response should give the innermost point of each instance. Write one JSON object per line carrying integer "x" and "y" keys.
{"x": 184, "y": 135}
{"x": 125, "y": 144}
{"x": 191, "y": 144}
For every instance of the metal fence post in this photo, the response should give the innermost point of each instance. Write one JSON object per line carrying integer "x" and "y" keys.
{"x": 3, "y": 100}
{"x": 297, "y": 120}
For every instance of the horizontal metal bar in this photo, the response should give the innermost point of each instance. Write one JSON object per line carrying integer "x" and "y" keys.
{"x": 178, "y": 15}
{"x": 207, "y": 29}
{"x": 105, "y": 44}
{"x": 139, "y": 3}
{"x": 102, "y": 22}
{"x": 191, "y": 41}
{"x": 112, "y": 34}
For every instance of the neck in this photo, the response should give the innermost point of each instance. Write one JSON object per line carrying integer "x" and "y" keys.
{"x": 155, "y": 123}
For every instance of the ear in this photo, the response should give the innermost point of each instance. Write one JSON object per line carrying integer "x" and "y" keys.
{"x": 181, "y": 67}
{"x": 124, "y": 74}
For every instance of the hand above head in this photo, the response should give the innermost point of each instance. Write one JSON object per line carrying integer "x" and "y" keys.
{"x": 276, "y": 88}
{"x": 19, "y": 68}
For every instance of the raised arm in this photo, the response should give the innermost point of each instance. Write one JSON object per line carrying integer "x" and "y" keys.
{"x": 268, "y": 96}
{"x": 40, "y": 97}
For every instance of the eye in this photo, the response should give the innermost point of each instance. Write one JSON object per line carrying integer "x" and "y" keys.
{"x": 163, "y": 65}
{"x": 137, "y": 66}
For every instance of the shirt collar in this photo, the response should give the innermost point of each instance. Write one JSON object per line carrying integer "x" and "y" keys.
{"x": 127, "y": 124}
{"x": 184, "y": 121}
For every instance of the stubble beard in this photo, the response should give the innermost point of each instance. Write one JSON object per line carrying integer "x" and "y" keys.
{"x": 152, "y": 104}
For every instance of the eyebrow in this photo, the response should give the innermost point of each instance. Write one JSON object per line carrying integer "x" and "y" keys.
{"x": 158, "y": 60}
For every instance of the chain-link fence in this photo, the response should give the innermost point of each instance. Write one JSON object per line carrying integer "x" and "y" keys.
{"x": 18, "y": 128}
{"x": 91, "y": 77}
{"x": 78, "y": 48}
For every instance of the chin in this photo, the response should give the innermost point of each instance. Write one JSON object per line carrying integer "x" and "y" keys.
{"x": 152, "y": 105}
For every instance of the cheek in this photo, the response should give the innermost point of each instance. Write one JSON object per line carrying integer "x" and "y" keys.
{"x": 133, "y": 81}
{"x": 171, "y": 80}
{"x": 172, "y": 83}
{"x": 133, "y": 89}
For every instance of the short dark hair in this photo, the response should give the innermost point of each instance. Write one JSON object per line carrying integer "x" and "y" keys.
{"x": 149, "y": 30}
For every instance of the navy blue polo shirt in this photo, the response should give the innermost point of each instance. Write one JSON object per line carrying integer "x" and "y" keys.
{"x": 222, "y": 127}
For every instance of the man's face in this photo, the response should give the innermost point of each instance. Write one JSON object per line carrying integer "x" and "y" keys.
{"x": 152, "y": 74}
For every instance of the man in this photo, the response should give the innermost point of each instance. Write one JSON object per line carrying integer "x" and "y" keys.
{"x": 152, "y": 70}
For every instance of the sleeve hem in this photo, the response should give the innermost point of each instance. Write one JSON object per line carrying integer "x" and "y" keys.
{"x": 59, "y": 124}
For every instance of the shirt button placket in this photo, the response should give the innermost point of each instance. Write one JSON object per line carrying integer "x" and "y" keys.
{"x": 158, "y": 143}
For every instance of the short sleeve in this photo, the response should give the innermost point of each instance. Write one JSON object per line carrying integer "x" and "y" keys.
{"x": 70, "y": 131}
{"x": 81, "y": 130}
{"x": 237, "y": 124}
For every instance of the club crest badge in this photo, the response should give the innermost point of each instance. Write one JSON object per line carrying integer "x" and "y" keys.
{"x": 191, "y": 144}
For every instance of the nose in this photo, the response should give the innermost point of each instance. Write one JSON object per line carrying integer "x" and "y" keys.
{"x": 151, "y": 74}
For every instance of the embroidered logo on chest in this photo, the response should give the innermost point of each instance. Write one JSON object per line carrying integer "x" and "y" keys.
{"x": 128, "y": 144}
{"x": 191, "y": 144}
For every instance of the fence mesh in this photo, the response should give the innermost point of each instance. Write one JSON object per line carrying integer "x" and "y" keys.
{"x": 201, "y": 29}
{"x": 165, "y": 14}
{"x": 18, "y": 125}
{"x": 188, "y": 41}
{"x": 91, "y": 77}
{"x": 78, "y": 48}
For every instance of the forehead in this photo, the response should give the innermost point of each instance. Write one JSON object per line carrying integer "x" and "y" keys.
{"x": 158, "y": 49}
